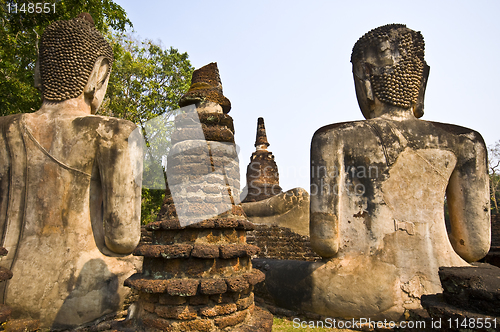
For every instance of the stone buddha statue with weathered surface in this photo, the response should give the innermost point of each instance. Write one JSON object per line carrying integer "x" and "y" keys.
{"x": 70, "y": 187}
{"x": 378, "y": 188}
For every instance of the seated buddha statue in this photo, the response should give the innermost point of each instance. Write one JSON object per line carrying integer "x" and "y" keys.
{"x": 70, "y": 187}
{"x": 378, "y": 188}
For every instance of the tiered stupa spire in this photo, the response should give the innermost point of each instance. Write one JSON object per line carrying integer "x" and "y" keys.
{"x": 262, "y": 172}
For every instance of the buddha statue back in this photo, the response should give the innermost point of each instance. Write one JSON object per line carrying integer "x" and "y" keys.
{"x": 378, "y": 188}
{"x": 71, "y": 187}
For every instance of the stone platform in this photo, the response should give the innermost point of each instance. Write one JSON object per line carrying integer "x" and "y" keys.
{"x": 470, "y": 300}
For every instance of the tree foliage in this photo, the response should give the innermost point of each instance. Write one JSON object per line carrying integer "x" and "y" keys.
{"x": 19, "y": 34}
{"x": 494, "y": 170}
{"x": 146, "y": 80}
{"x": 145, "y": 86}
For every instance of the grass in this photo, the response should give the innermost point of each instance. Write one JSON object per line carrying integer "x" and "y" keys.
{"x": 287, "y": 325}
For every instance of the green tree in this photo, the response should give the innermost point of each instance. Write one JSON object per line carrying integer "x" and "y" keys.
{"x": 145, "y": 86}
{"x": 19, "y": 34}
{"x": 146, "y": 80}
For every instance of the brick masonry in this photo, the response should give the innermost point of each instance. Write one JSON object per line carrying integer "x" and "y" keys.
{"x": 281, "y": 243}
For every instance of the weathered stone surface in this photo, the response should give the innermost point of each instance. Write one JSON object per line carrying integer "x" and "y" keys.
{"x": 149, "y": 297}
{"x": 213, "y": 286}
{"x": 5, "y": 313}
{"x": 245, "y": 302}
{"x": 164, "y": 251}
{"x": 155, "y": 322}
{"x": 171, "y": 224}
{"x": 377, "y": 194}
{"x": 66, "y": 249}
{"x": 146, "y": 236}
{"x": 475, "y": 288}
{"x": 231, "y": 320}
{"x": 199, "y": 300}
{"x": 206, "y": 86}
{"x": 184, "y": 312}
{"x": 205, "y": 251}
{"x": 193, "y": 120}
{"x": 218, "y": 134}
{"x": 226, "y": 223}
{"x": 254, "y": 277}
{"x": 469, "y": 300}
{"x": 182, "y": 287}
{"x": 457, "y": 319}
{"x": 5, "y": 274}
{"x": 222, "y": 298}
{"x": 236, "y": 284}
{"x": 238, "y": 250}
{"x": 289, "y": 209}
{"x": 148, "y": 285}
{"x": 282, "y": 243}
{"x": 260, "y": 321}
{"x": 171, "y": 300}
{"x": 202, "y": 325}
{"x": 217, "y": 309}
{"x": 148, "y": 306}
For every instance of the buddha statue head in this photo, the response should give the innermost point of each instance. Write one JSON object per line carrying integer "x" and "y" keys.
{"x": 389, "y": 70}
{"x": 74, "y": 58}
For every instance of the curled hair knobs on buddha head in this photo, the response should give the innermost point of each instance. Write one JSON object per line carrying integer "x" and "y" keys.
{"x": 67, "y": 55}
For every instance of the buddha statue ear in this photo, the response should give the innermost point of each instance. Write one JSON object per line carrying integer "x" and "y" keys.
{"x": 97, "y": 84}
{"x": 367, "y": 70}
{"x": 369, "y": 90}
{"x": 363, "y": 86}
{"x": 418, "y": 110}
{"x": 97, "y": 78}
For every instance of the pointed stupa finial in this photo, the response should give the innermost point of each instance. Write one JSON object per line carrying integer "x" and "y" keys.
{"x": 261, "y": 138}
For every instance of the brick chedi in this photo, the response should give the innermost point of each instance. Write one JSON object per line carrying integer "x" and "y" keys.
{"x": 262, "y": 172}
{"x": 197, "y": 273}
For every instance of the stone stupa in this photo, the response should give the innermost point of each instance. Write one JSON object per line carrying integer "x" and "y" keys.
{"x": 264, "y": 202}
{"x": 262, "y": 172}
{"x": 197, "y": 273}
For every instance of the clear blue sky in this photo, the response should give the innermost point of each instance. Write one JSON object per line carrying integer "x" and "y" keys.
{"x": 288, "y": 61}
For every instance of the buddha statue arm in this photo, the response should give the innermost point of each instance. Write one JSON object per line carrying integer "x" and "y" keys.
{"x": 325, "y": 195}
{"x": 120, "y": 168}
{"x": 469, "y": 204}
